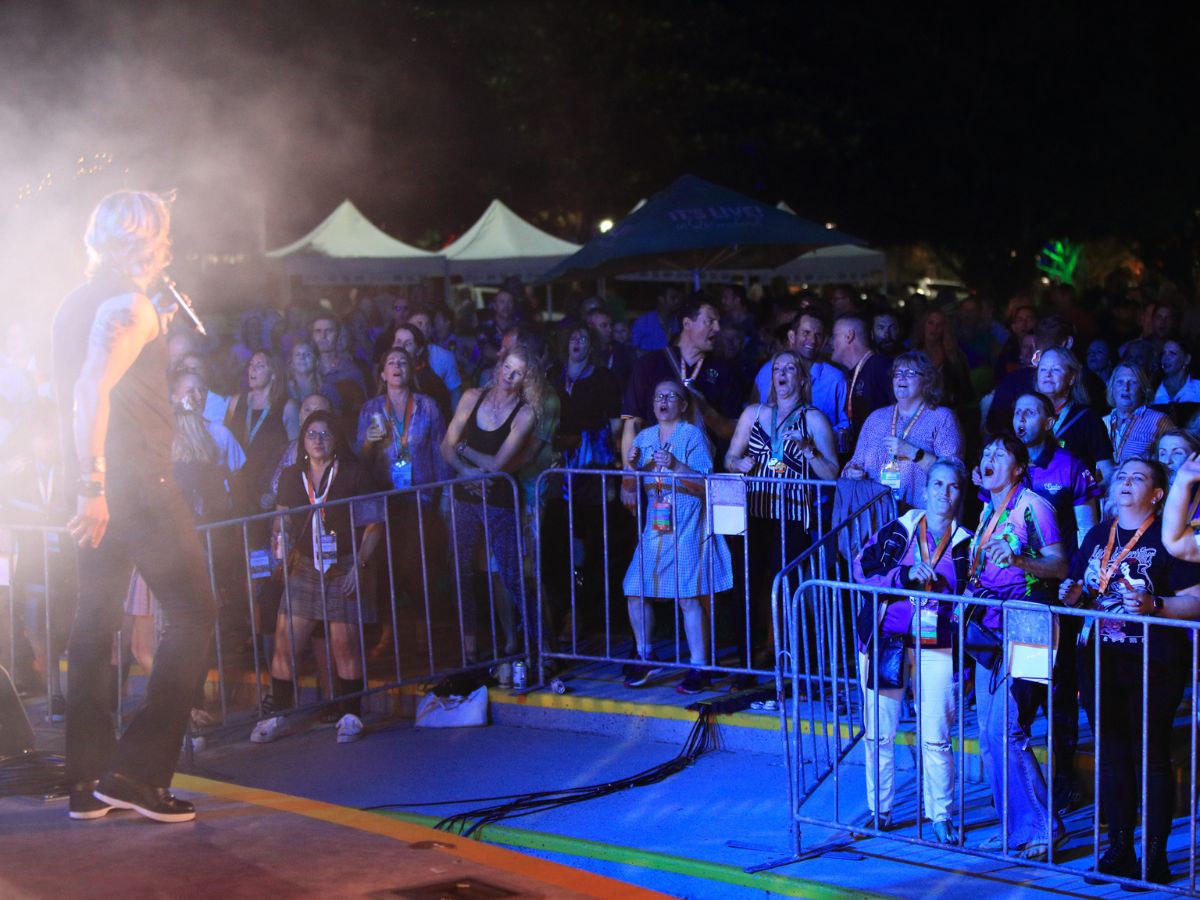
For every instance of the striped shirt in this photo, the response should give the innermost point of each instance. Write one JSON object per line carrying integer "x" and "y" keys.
{"x": 1134, "y": 436}
{"x": 792, "y": 502}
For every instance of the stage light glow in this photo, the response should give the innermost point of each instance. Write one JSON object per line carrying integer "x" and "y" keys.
{"x": 605, "y": 226}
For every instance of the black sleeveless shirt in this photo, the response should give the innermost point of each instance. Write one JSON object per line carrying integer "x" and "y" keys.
{"x": 141, "y": 425}
{"x": 489, "y": 443}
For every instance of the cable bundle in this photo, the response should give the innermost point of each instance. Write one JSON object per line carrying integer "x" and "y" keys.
{"x": 701, "y": 739}
{"x": 36, "y": 773}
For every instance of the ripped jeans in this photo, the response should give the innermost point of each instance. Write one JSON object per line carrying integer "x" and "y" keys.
{"x": 1029, "y": 818}
{"x": 937, "y": 710}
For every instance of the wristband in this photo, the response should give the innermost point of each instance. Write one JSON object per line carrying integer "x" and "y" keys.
{"x": 1158, "y": 603}
{"x": 90, "y": 489}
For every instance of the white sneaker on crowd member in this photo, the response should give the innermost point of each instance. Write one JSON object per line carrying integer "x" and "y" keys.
{"x": 271, "y": 729}
{"x": 349, "y": 729}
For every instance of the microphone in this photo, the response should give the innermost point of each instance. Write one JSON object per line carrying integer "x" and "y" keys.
{"x": 185, "y": 303}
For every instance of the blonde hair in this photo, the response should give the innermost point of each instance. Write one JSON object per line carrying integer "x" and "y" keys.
{"x": 192, "y": 441}
{"x": 129, "y": 233}
{"x": 533, "y": 388}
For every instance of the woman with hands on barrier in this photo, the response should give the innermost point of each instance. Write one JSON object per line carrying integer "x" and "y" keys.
{"x": 1122, "y": 567}
{"x": 322, "y": 584}
{"x": 677, "y": 558}
{"x": 899, "y": 443}
{"x": 1017, "y": 554}
{"x": 784, "y": 438}
{"x": 925, "y": 549}
{"x": 489, "y": 434}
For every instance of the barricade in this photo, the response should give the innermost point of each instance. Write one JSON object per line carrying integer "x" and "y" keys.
{"x": 426, "y": 541}
{"x": 585, "y": 541}
{"x": 1027, "y": 632}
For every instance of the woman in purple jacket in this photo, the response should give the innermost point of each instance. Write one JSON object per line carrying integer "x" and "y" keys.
{"x": 923, "y": 550}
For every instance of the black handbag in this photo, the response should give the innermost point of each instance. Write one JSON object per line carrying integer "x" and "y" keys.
{"x": 890, "y": 672}
{"x": 891, "y": 650}
{"x": 981, "y": 643}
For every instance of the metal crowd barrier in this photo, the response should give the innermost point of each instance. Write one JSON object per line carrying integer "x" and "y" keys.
{"x": 819, "y": 735}
{"x": 582, "y": 534}
{"x": 431, "y": 636}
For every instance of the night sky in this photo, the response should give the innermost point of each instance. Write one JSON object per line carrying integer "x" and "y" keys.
{"x": 976, "y": 135}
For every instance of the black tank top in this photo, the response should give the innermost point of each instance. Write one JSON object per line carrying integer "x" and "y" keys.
{"x": 489, "y": 442}
{"x": 141, "y": 425}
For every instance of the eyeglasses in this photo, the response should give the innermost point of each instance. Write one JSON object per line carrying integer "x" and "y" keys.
{"x": 666, "y": 397}
{"x": 905, "y": 373}
{"x": 318, "y": 435}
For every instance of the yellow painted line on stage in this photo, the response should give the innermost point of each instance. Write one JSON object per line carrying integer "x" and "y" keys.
{"x": 386, "y": 826}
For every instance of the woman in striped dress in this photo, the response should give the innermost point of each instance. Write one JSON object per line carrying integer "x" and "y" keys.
{"x": 775, "y": 443}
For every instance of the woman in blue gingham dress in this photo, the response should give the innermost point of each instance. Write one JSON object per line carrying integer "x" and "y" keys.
{"x": 677, "y": 558}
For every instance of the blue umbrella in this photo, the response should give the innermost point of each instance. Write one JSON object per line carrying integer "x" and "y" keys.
{"x": 693, "y": 226}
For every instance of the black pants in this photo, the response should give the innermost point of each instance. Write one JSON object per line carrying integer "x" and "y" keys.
{"x": 771, "y": 544}
{"x": 1066, "y": 698}
{"x": 151, "y": 527}
{"x": 1121, "y": 734}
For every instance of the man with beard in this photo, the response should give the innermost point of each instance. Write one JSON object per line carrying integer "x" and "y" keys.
{"x": 885, "y": 332}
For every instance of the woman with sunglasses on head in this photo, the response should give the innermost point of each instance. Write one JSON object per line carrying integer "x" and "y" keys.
{"x": 898, "y": 444}
{"x": 323, "y": 584}
{"x": 678, "y": 557}
{"x": 924, "y": 549}
{"x": 1123, "y": 567}
{"x": 1076, "y": 426}
{"x": 784, "y": 438}
{"x": 1017, "y": 554}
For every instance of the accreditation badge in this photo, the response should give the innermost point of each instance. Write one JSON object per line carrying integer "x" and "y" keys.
{"x": 327, "y": 551}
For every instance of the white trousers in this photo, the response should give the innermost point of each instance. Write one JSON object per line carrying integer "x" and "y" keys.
{"x": 936, "y": 707}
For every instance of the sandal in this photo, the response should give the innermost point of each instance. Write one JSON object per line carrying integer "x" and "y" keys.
{"x": 995, "y": 844}
{"x": 1039, "y": 850}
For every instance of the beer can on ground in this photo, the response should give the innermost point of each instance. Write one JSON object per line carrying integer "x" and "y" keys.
{"x": 558, "y": 686}
{"x": 518, "y": 676}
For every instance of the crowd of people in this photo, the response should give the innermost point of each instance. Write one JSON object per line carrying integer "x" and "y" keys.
{"x": 1065, "y": 428}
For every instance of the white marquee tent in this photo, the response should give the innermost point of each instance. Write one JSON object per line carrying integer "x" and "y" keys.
{"x": 347, "y": 248}
{"x": 502, "y": 244}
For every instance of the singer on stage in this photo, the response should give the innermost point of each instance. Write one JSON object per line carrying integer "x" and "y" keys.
{"x": 110, "y": 358}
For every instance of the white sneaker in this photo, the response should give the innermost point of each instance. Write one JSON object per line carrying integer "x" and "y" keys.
{"x": 268, "y": 730}
{"x": 349, "y": 729}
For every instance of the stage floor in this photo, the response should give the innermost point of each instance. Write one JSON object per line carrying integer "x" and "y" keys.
{"x": 255, "y": 843}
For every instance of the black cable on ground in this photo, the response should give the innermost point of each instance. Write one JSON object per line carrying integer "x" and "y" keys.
{"x": 36, "y": 773}
{"x": 701, "y": 739}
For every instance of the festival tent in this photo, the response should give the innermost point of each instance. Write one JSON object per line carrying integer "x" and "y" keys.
{"x": 695, "y": 226}
{"x": 347, "y": 248}
{"x": 501, "y": 244}
{"x": 829, "y": 265}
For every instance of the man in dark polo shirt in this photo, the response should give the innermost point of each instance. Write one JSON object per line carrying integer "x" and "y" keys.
{"x": 868, "y": 373}
{"x": 690, "y": 361}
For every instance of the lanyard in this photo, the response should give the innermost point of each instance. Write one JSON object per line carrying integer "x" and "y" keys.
{"x": 1128, "y": 430}
{"x": 777, "y": 427}
{"x": 853, "y": 382}
{"x": 681, "y": 366}
{"x": 399, "y": 429}
{"x": 999, "y": 516}
{"x": 1062, "y": 417}
{"x": 923, "y": 546}
{"x": 1107, "y": 570}
{"x": 314, "y": 500}
{"x": 262, "y": 417}
{"x": 908, "y": 426}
